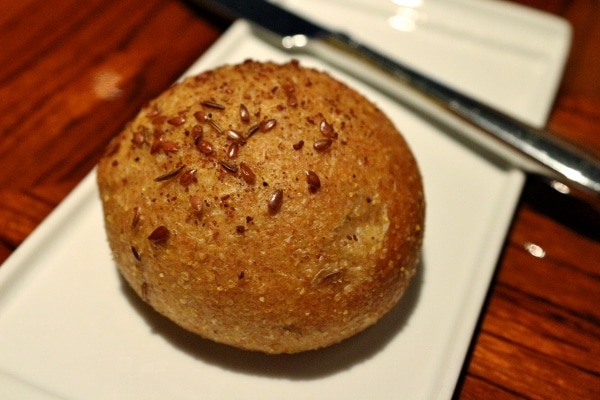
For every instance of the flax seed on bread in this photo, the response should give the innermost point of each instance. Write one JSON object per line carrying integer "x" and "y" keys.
{"x": 265, "y": 206}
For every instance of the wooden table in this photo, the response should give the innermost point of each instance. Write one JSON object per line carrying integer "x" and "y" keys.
{"x": 72, "y": 73}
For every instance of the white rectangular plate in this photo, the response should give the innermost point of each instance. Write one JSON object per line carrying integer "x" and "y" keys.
{"x": 70, "y": 328}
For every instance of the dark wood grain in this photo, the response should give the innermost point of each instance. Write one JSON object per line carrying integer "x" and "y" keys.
{"x": 72, "y": 73}
{"x": 540, "y": 332}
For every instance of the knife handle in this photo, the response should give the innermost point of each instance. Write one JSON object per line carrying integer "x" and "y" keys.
{"x": 535, "y": 151}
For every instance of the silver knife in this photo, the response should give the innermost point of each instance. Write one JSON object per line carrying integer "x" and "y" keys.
{"x": 566, "y": 167}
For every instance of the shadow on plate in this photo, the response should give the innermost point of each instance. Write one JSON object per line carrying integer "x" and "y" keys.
{"x": 302, "y": 366}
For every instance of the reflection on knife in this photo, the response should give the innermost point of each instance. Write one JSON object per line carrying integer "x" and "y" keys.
{"x": 525, "y": 147}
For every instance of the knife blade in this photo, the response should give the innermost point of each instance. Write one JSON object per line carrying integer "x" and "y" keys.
{"x": 533, "y": 150}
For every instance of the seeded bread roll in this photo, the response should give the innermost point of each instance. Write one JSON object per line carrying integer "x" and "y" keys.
{"x": 269, "y": 207}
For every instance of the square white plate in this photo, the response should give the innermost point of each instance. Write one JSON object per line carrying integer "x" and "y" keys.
{"x": 70, "y": 328}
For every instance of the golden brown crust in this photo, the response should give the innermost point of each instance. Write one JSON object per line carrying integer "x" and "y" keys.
{"x": 299, "y": 228}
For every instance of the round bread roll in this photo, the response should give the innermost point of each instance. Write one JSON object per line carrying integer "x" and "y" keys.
{"x": 269, "y": 207}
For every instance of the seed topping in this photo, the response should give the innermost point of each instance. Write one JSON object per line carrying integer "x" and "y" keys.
{"x": 136, "y": 254}
{"x": 229, "y": 167}
{"x": 292, "y": 101}
{"x": 215, "y": 126}
{"x": 169, "y": 175}
{"x": 196, "y": 203}
{"x": 233, "y": 150}
{"x": 247, "y": 174}
{"x": 244, "y": 113}
{"x": 234, "y": 135}
{"x": 159, "y": 120}
{"x": 212, "y": 104}
{"x": 204, "y": 146}
{"x": 252, "y": 130}
{"x": 159, "y": 235}
{"x": 156, "y": 145}
{"x": 169, "y": 147}
{"x": 176, "y": 121}
{"x": 299, "y": 145}
{"x": 188, "y": 177}
{"x": 197, "y": 133}
{"x": 200, "y": 116}
{"x": 267, "y": 125}
{"x": 324, "y": 144}
{"x": 136, "y": 217}
{"x": 289, "y": 87}
{"x": 275, "y": 201}
{"x": 314, "y": 183}
{"x": 139, "y": 137}
{"x": 153, "y": 112}
{"x": 327, "y": 129}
